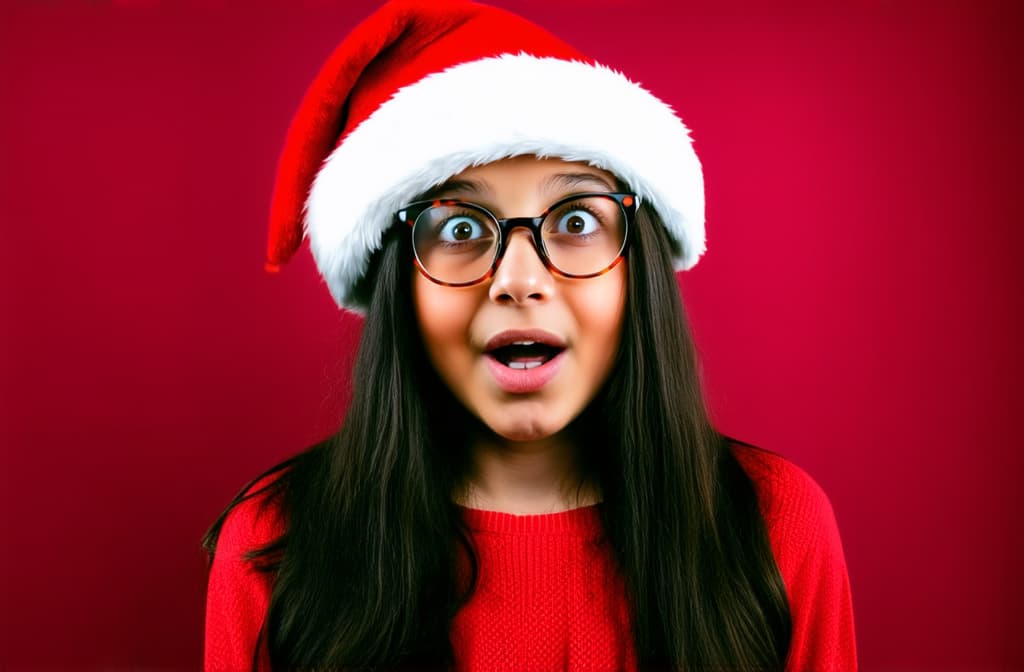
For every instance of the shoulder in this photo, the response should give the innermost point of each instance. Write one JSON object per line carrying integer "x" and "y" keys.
{"x": 799, "y": 516}
{"x": 256, "y": 520}
{"x": 788, "y": 495}
{"x": 238, "y": 593}
{"x": 808, "y": 551}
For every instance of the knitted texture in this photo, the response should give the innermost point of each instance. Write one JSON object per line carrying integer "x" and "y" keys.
{"x": 548, "y": 597}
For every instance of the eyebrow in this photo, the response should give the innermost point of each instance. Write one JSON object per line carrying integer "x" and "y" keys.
{"x": 570, "y": 180}
{"x": 480, "y": 187}
{"x": 472, "y": 186}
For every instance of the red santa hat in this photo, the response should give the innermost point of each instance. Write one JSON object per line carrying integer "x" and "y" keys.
{"x": 422, "y": 90}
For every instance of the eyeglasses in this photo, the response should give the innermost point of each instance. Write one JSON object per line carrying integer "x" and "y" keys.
{"x": 458, "y": 244}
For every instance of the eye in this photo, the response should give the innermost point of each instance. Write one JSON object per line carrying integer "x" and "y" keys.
{"x": 460, "y": 228}
{"x": 577, "y": 221}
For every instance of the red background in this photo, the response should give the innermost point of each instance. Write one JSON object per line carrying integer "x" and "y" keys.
{"x": 858, "y": 309}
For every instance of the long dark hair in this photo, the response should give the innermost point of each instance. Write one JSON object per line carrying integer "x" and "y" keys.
{"x": 365, "y": 573}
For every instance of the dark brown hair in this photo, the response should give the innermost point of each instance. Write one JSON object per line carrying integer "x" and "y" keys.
{"x": 365, "y": 572}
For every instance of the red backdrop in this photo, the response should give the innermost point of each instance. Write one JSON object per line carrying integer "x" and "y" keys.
{"x": 855, "y": 311}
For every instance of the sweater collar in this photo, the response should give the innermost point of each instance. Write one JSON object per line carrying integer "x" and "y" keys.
{"x": 584, "y": 521}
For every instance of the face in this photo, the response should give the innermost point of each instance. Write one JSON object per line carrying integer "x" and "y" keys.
{"x": 521, "y": 392}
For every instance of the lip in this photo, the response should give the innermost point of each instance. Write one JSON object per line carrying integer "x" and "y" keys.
{"x": 510, "y": 336}
{"x": 524, "y": 381}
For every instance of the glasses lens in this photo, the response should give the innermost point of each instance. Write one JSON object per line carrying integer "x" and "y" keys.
{"x": 584, "y": 236}
{"x": 455, "y": 243}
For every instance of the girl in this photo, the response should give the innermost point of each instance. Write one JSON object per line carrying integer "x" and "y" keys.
{"x": 527, "y": 477}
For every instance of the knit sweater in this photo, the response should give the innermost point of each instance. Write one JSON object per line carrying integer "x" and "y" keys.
{"x": 548, "y": 596}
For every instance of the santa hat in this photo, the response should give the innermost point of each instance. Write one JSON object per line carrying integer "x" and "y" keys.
{"x": 422, "y": 90}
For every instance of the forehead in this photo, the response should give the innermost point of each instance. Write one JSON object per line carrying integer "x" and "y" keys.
{"x": 527, "y": 173}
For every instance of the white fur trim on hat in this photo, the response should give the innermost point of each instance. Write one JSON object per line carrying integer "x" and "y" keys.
{"x": 493, "y": 108}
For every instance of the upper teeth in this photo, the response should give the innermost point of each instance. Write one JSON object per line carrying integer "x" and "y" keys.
{"x": 524, "y": 342}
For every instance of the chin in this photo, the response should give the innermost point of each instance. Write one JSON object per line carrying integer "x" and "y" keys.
{"x": 526, "y": 428}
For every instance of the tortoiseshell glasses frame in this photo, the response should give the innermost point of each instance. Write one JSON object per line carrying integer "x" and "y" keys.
{"x": 411, "y": 213}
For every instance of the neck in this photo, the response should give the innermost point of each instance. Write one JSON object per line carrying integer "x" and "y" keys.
{"x": 526, "y": 477}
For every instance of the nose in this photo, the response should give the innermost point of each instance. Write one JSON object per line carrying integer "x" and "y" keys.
{"x": 521, "y": 276}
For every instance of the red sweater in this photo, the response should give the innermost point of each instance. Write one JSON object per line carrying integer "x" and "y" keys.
{"x": 548, "y": 598}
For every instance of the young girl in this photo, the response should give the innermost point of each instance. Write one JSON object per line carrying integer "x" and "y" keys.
{"x": 526, "y": 478}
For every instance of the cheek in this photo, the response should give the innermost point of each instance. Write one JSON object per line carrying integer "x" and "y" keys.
{"x": 600, "y": 309}
{"x": 443, "y": 317}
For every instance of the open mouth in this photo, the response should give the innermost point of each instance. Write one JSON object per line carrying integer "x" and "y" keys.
{"x": 525, "y": 354}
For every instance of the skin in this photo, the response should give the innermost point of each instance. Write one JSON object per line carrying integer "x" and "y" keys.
{"x": 523, "y": 454}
